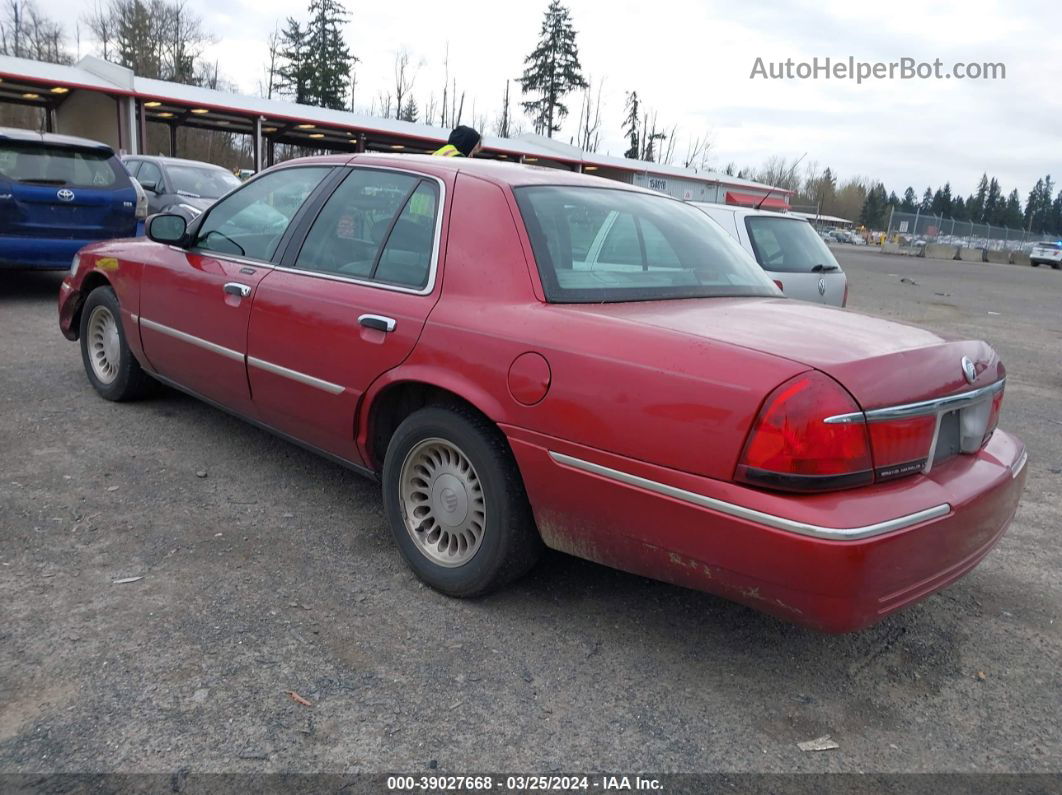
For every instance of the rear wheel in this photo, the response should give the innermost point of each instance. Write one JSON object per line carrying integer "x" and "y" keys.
{"x": 456, "y": 504}
{"x": 110, "y": 366}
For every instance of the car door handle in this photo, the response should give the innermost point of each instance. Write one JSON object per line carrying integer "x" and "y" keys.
{"x": 378, "y": 322}
{"x": 235, "y": 288}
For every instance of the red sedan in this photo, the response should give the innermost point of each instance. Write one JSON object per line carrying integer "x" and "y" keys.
{"x": 529, "y": 357}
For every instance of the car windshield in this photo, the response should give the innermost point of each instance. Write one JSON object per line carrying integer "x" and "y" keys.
{"x": 603, "y": 244}
{"x": 788, "y": 245}
{"x": 41, "y": 164}
{"x": 201, "y": 182}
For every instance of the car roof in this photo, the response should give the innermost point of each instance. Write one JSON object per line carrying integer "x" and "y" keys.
{"x": 32, "y": 136}
{"x": 497, "y": 171}
{"x": 175, "y": 161}
{"x": 744, "y": 212}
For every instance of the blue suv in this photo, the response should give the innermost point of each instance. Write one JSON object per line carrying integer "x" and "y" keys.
{"x": 57, "y": 194}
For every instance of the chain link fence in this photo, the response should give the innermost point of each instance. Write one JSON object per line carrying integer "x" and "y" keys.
{"x": 917, "y": 230}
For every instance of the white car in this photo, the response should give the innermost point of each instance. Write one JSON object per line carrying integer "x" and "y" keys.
{"x": 788, "y": 248}
{"x": 1046, "y": 254}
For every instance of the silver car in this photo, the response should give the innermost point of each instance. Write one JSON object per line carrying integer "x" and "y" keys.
{"x": 788, "y": 248}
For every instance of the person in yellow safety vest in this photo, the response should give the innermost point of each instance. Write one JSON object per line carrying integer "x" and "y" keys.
{"x": 463, "y": 142}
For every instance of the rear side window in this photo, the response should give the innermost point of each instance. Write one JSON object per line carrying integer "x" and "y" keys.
{"x": 788, "y": 245}
{"x": 378, "y": 225}
{"x": 604, "y": 244}
{"x": 251, "y": 221}
{"x": 41, "y": 164}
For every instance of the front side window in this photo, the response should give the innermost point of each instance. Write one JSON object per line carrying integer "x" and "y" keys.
{"x": 377, "y": 225}
{"x": 151, "y": 176}
{"x": 251, "y": 221}
{"x": 199, "y": 182}
{"x": 41, "y": 164}
{"x": 604, "y": 244}
{"x": 788, "y": 245}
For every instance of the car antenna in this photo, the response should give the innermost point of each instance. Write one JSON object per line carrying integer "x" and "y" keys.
{"x": 787, "y": 176}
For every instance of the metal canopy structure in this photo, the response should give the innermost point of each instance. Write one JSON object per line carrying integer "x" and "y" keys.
{"x": 101, "y": 100}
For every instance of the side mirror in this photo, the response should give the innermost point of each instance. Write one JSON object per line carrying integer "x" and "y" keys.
{"x": 152, "y": 187}
{"x": 167, "y": 228}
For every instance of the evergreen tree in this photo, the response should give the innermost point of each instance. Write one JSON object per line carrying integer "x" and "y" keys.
{"x": 328, "y": 58}
{"x": 1039, "y": 206}
{"x": 1013, "y": 217}
{"x": 910, "y": 200}
{"x": 976, "y": 204}
{"x": 1055, "y": 225}
{"x": 137, "y": 45}
{"x": 409, "y": 111}
{"x": 630, "y": 126}
{"x": 958, "y": 209}
{"x": 875, "y": 208}
{"x": 894, "y": 200}
{"x": 927, "y": 201}
{"x": 293, "y": 76}
{"x": 552, "y": 70}
{"x": 993, "y": 203}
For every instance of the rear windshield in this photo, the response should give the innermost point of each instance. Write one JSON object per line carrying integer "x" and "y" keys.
{"x": 1053, "y": 246}
{"x": 40, "y": 164}
{"x": 201, "y": 183}
{"x": 788, "y": 245}
{"x": 603, "y": 244}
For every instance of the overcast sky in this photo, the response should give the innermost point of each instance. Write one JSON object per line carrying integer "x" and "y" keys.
{"x": 691, "y": 60}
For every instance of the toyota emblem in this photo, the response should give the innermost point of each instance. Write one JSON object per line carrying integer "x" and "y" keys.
{"x": 65, "y": 195}
{"x": 822, "y": 287}
{"x": 969, "y": 370}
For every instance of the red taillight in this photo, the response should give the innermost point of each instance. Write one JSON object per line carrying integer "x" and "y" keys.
{"x": 792, "y": 447}
{"x": 901, "y": 447}
{"x": 778, "y": 284}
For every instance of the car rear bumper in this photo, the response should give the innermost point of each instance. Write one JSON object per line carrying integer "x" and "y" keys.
{"x": 835, "y": 562}
{"x": 39, "y": 253}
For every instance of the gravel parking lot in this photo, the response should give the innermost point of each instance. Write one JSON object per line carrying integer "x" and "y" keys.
{"x": 266, "y": 572}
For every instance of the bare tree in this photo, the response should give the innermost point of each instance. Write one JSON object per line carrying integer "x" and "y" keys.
{"x": 697, "y": 150}
{"x": 669, "y": 150}
{"x": 405, "y": 78}
{"x": 273, "y": 63}
{"x": 383, "y": 101}
{"x": 446, "y": 84}
{"x": 590, "y": 118}
{"x": 25, "y": 32}
{"x": 501, "y": 125}
{"x": 431, "y": 107}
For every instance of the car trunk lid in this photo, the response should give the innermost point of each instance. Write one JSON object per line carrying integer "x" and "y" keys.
{"x": 880, "y": 362}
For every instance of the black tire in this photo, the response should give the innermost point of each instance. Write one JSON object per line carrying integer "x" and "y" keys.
{"x": 509, "y": 544}
{"x": 128, "y": 380}
{"x": 1056, "y": 265}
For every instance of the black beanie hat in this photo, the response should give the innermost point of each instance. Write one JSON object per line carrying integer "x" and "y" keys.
{"x": 464, "y": 139}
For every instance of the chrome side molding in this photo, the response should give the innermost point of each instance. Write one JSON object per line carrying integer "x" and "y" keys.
{"x": 750, "y": 514}
{"x": 295, "y": 375}
{"x": 191, "y": 339}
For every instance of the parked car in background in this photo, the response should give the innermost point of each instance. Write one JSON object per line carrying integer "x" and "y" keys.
{"x": 1046, "y": 254}
{"x": 57, "y": 194}
{"x": 186, "y": 187}
{"x": 525, "y": 357}
{"x": 788, "y": 248}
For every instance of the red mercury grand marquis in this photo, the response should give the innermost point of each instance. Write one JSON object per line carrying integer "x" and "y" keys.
{"x": 529, "y": 357}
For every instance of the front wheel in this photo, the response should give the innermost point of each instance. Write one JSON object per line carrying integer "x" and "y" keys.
{"x": 456, "y": 503}
{"x": 110, "y": 366}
